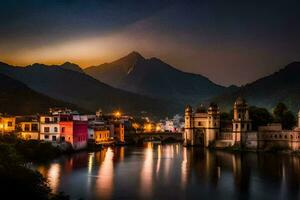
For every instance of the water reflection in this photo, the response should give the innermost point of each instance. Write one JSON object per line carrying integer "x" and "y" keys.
{"x": 105, "y": 175}
{"x": 147, "y": 172}
{"x": 171, "y": 171}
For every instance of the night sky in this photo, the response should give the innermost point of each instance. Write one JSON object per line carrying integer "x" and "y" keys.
{"x": 231, "y": 42}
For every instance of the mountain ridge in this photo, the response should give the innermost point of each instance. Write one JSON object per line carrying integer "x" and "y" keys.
{"x": 155, "y": 78}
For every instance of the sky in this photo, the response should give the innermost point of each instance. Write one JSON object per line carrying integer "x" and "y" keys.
{"x": 230, "y": 42}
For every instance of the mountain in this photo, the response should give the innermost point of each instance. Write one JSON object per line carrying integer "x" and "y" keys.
{"x": 71, "y": 66}
{"x": 85, "y": 91}
{"x": 153, "y": 77}
{"x": 16, "y": 98}
{"x": 281, "y": 86}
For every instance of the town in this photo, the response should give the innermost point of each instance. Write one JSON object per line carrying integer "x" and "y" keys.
{"x": 68, "y": 129}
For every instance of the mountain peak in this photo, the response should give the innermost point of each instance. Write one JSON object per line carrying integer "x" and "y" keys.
{"x": 71, "y": 66}
{"x": 131, "y": 58}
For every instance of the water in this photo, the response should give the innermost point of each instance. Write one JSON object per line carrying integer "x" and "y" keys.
{"x": 157, "y": 171}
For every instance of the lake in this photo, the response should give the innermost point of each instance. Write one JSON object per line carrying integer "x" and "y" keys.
{"x": 170, "y": 171}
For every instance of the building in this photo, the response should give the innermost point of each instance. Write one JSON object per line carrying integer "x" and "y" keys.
{"x": 119, "y": 131}
{"x": 7, "y": 124}
{"x": 102, "y": 136}
{"x": 50, "y": 129}
{"x": 204, "y": 127}
{"x": 29, "y": 128}
{"x": 74, "y": 131}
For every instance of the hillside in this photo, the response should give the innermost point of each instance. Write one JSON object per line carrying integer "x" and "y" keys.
{"x": 85, "y": 91}
{"x": 283, "y": 86}
{"x": 153, "y": 77}
{"x": 16, "y": 98}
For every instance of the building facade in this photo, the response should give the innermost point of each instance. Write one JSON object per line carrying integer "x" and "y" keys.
{"x": 205, "y": 128}
{"x": 7, "y": 124}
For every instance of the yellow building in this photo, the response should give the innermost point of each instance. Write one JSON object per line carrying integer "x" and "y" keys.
{"x": 29, "y": 130}
{"x": 7, "y": 124}
{"x": 102, "y": 136}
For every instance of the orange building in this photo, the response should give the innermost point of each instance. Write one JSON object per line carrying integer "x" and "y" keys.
{"x": 102, "y": 136}
{"x": 119, "y": 131}
{"x": 7, "y": 124}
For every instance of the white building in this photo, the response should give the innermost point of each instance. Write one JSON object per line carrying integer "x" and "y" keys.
{"x": 50, "y": 129}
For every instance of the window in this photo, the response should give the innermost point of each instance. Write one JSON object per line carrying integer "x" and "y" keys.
{"x": 46, "y": 136}
{"x": 63, "y": 129}
{"x": 9, "y": 124}
{"x": 285, "y": 136}
{"x": 55, "y": 129}
{"x": 47, "y": 119}
{"x": 54, "y": 138}
{"x": 243, "y": 126}
{"x": 46, "y": 129}
{"x": 199, "y": 124}
{"x": 236, "y": 126}
{"x": 34, "y": 127}
{"x": 62, "y": 139}
{"x": 27, "y": 127}
{"x": 248, "y": 126}
{"x": 291, "y": 136}
{"x": 239, "y": 116}
{"x": 275, "y": 136}
{"x": 280, "y": 136}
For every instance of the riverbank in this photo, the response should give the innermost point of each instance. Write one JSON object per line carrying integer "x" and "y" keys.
{"x": 19, "y": 182}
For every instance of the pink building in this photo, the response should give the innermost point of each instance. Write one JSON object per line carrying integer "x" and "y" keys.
{"x": 74, "y": 130}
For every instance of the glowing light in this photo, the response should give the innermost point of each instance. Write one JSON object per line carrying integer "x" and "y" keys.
{"x": 117, "y": 114}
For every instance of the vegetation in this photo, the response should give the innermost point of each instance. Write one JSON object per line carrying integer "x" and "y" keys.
{"x": 18, "y": 181}
{"x": 260, "y": 117}
{"x": 284, "y": 116}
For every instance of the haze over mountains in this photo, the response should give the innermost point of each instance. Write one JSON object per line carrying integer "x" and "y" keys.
{"x": 134, "y": 84}
{"x": 16, "y": 98}
{"x": 154, "y": 78}
{"x": 281, "y": 86}
{"x": 80, "y": 89}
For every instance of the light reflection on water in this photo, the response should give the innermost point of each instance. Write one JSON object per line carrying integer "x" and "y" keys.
{"x": 171, "y": 171}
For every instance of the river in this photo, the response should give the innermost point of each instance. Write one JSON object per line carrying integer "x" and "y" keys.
{"x": 170, "y": 171}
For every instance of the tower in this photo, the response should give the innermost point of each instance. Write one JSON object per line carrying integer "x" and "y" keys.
{"x": 213, "y": 125}
{"x": 241, "y": 121}
{"x": 299, "y": 119}
{"x": 188, "y": 127}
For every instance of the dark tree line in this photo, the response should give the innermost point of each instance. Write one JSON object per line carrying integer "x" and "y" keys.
{"x": 261, "y": 116}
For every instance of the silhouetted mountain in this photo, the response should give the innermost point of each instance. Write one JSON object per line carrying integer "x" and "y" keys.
{"x": 283, "y": 86}
{"x": 85, "y": 91}
{"x": 16, "y": 98}
{"x": 153, "y": 77}
{"x": 72, "y": 66}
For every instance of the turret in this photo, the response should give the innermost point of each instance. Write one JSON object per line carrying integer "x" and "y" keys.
{"x": 188, "y": 116}
{"x": 241, "y": 121}
{"x": 213, "y": 116}
{"x": 188, "y": 137}
{"x": 299, "y": 119}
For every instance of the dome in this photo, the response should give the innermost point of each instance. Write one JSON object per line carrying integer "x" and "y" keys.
{"x": 240, "y": 101}
{"x": 188, "y": 108}
{"x": 201, "y": 109}
{"x": 213, "y": 105}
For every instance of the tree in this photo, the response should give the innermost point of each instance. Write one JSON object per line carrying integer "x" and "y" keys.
{"x": 279, "y": 111}
{"x": 259, "y": 117}
{"x": 288, "y": 120}
{"x": 284, "y": 116}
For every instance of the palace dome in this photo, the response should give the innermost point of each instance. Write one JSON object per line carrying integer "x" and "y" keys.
{"x": 188, "y": 108}
{"x": 201, "y": 109}
{"x": 240, "y": 101}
